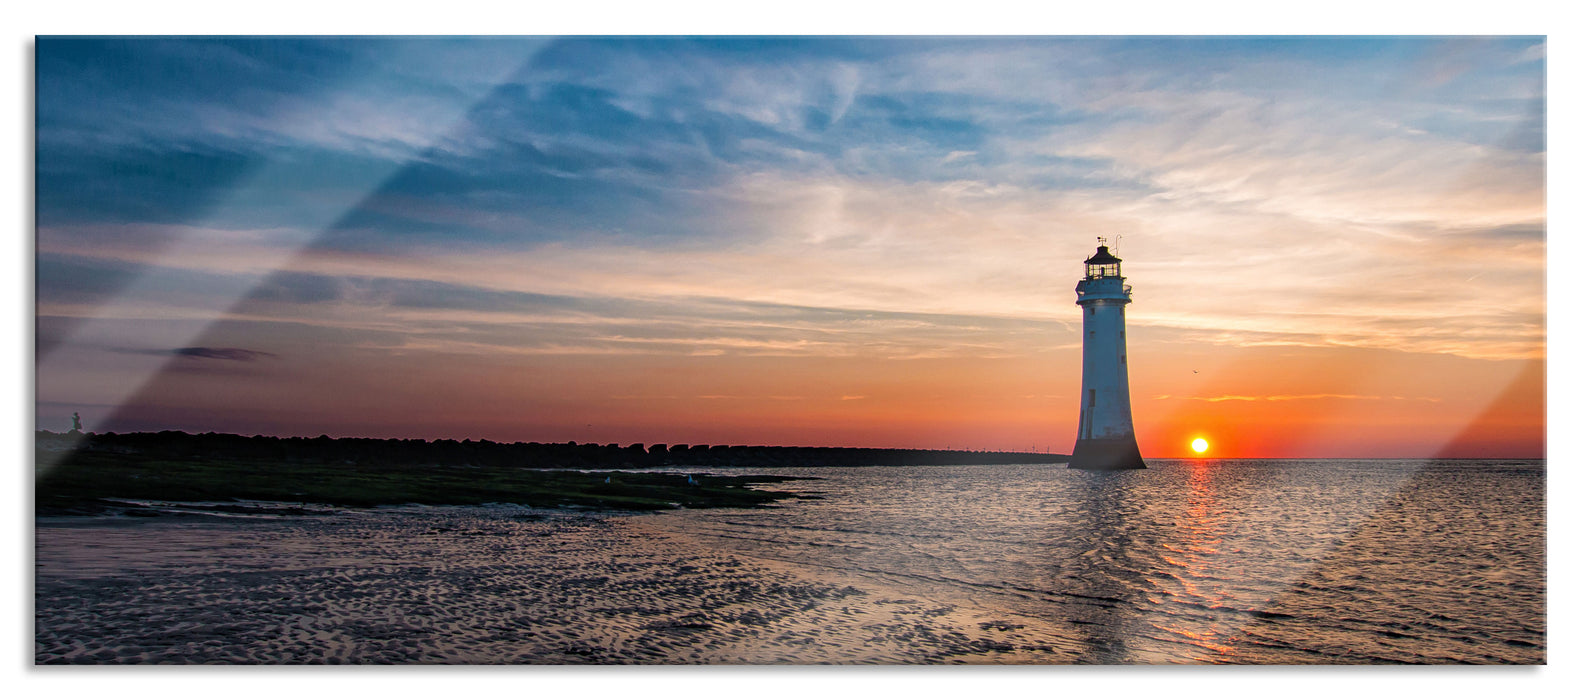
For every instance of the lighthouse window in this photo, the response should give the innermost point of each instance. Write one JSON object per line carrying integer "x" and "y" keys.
{"x": 1092, "y": 311}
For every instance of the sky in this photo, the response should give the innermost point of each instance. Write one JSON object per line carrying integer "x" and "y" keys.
{"x": 1337, "y": 245}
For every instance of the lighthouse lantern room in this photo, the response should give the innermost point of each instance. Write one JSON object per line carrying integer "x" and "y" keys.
{"x": 1105, "y": 439}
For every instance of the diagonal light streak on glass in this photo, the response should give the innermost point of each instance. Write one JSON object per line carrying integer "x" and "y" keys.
{"x": 101, "y": 328}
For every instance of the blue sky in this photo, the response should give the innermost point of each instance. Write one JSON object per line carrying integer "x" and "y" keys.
{"x": 874, "y": 198}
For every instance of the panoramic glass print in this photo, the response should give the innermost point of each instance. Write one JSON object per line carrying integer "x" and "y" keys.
{"x": 1018, "y": 350}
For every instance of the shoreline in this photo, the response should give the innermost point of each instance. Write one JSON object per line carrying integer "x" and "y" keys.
{"x": 86, "y": 482}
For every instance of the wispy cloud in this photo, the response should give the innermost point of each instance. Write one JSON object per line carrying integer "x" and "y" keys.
{"x": 1292, "y": 397}
{"x": 204, "y": 353}
{"x": 228, "y": 354}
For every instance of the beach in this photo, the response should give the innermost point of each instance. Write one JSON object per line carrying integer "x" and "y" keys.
{"x": 471, "y": 586}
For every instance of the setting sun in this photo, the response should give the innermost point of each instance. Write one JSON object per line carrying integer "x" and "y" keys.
{"x": 1199, "y": 445}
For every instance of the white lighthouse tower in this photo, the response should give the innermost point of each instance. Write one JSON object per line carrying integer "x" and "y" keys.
{"x": 1105, "y": 439}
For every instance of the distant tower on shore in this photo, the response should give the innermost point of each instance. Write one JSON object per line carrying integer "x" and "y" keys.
{"x": 1105, "y": 439}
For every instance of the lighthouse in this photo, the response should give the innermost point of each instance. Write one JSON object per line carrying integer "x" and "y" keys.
{"x": 1105, "y": 439}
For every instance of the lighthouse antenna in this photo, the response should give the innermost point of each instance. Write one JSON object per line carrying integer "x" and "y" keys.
{"x": 1118, "y": 243}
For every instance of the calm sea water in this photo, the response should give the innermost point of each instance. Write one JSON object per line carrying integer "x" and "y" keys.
{"x": 1238, "y": 561}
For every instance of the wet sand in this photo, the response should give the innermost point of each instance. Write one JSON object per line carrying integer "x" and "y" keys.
{"x": 476, "y": 586}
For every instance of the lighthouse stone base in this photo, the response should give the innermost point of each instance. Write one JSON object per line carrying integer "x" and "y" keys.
{"x": 1107, "y": 453}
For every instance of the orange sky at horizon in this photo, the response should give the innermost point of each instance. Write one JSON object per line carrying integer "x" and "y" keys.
{"x": 1247, "y": 402}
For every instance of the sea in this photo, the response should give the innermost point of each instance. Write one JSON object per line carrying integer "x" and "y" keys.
{"x": 1200, "y": 561}
{"x": 1195, "y": 561}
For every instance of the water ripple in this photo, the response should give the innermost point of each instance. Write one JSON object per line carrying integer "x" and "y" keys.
{"x": 1239, "y": 561}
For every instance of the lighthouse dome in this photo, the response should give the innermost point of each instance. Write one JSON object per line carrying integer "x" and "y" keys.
{"x": 1102, "y": 257}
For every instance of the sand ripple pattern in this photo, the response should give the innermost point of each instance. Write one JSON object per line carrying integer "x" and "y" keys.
{"x": 466, "y": 586}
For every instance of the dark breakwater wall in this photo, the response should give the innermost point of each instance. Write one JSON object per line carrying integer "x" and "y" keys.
{"x": 372, "y": 451}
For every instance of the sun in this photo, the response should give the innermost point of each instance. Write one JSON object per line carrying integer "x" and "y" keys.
{"x": 1199, "y": 445}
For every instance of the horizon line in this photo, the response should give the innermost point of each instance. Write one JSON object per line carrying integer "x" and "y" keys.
{"x": 841, "y": 447}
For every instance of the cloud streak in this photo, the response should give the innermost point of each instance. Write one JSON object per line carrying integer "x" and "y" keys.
{"x": 1292, "y": 397}
{"x": 226, "y": 354}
